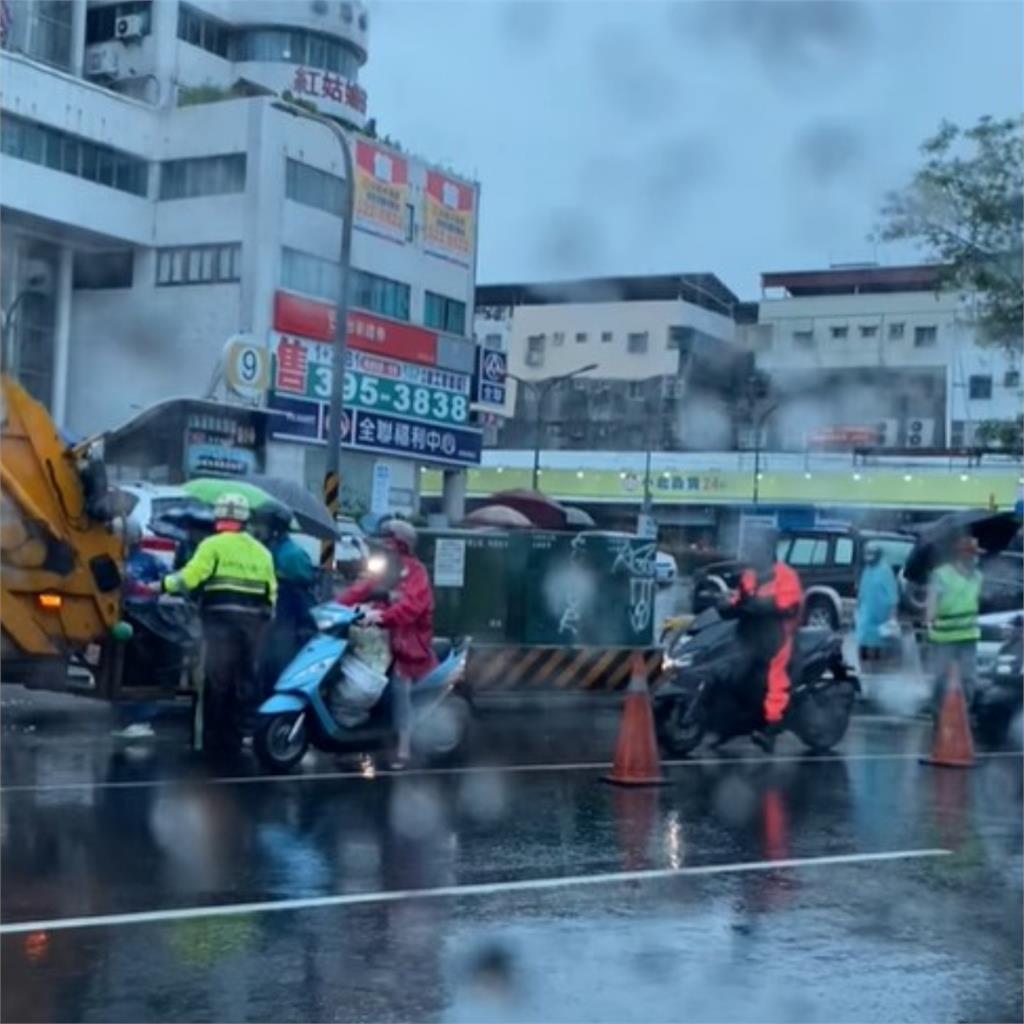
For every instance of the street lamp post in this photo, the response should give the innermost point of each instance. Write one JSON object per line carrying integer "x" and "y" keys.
{"x": 341, "y": 305}
{"x": 540, "y": 388}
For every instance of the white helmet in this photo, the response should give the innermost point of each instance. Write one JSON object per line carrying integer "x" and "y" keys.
{"x": 402, "y": 531}
{"x": 234, "y": 507}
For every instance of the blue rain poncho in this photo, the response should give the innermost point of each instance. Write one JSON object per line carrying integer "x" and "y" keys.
{"x": 877, "y": 597}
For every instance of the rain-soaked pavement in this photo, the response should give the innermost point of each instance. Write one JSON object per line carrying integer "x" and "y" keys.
{"x": 521, "y": 888}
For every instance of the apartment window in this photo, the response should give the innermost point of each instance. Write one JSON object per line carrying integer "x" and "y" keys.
{"x": 838, "y": 333}
{"x": 535, "y": 350}
{"x": 494, "y": 341}
{"x": 410, "y": 222}
{"x": 313, "y": 187}
{"x": 41, "y": 30}
{"x": 379, "y": 294}
{"x": 635, "y": 389}
{"x": 103, "y": 269}
{"x": 581, "y": 337}
{"x": 925, "y": 336}
{"x": 803, "y": 339}
{"x": 979, "y": 386}
{"x": 199, "y": 264}
{"x": 957, "y": 433}
{"x": 636, "y": 344}
{"x": 558, "y": 338}
{"x": 896, "y": 331}
{"x": 444, "y": 314}
{"x": 60, "y": 151}
{"x": 311, "y": 49}
{"x": 101, "y": 22}
{"x": 869, "y": 330}
{"x": 199, "y": 29}
{"x": 1011, "y": 379}
{"x": 607, "y": 336}
{"x": 205, "y": 176}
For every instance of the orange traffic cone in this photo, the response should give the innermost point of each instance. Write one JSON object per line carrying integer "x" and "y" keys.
{"x": 952, "y": 746}
{"x": 636, "y": 753}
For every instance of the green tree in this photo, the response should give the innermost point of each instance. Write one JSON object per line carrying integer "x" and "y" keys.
{"x": 964, "y": 206}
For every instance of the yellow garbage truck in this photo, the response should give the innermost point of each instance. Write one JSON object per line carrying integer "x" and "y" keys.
{"x": 61, "y": 561}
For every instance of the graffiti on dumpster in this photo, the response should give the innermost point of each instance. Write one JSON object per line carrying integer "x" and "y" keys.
{"x": 639, "y": 563}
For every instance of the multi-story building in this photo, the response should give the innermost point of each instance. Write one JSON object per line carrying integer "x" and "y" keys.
{"x": 159, "y": 199}
{"x": 879, "y": 350}
{"x": 663, "y": 369}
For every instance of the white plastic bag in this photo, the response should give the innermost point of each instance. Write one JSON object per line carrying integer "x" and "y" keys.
{"x": 359, "y": 686}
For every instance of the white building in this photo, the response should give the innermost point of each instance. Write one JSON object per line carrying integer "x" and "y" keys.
{"x": 659, "y": 352}
{"x": 155, "y": 203}
{"x": 879, "y": 349}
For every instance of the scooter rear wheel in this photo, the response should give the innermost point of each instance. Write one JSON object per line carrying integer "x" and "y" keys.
{"x": 280, "y": 742}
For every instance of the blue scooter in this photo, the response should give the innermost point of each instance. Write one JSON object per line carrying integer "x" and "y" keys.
{"x": 297, "y": 714}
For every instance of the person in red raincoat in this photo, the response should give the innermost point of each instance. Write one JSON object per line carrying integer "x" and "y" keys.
{"x": 408, "y": 616}
{"x": 767, "y": 606}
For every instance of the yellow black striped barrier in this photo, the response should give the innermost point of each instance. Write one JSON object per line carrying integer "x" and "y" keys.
{"x": 332, "y": 499}
{"x": 493, "y": 669}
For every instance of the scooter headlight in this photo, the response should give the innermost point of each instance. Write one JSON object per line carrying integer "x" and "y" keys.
{"x": 672, "y": 662}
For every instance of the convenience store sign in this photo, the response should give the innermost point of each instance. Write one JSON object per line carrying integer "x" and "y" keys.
{"x": 876, "y": 488}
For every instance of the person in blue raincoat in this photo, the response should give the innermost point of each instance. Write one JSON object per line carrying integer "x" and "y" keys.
{"x": 293, "y": 621}
{"x": 877, "y": 600}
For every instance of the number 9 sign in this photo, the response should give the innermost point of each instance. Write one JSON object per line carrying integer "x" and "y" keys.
{"x": 246, "y": 367}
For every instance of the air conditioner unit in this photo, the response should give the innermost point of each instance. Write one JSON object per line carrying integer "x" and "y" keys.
{"x": 102, "y": 63}
{"x": 920, "y": 433}
{"x": 129, "y": 27}
{"x": 887, "y": 431}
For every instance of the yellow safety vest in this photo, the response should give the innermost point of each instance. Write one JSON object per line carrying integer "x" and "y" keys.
{"x": 956, "y": 614}
{"x": 234, "y": 570}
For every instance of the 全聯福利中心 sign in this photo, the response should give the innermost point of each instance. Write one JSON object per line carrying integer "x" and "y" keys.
{"x": 293, "y": 419}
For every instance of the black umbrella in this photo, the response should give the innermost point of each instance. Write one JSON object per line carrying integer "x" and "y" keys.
{"x": 935, "y": 540}
{"x": 309, "y": 510}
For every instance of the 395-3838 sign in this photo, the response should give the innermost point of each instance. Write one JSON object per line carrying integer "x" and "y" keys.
{"x": 303, "y": 369}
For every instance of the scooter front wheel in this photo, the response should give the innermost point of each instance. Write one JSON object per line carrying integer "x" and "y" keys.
{"x": 679, "y": 726}
{"x": 281, "y": 741}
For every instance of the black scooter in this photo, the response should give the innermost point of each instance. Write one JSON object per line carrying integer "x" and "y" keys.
{"x": 1000, "y": 698}
{"x": 697, "y": 693}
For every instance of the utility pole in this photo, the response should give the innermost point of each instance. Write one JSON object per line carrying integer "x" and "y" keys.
{"x": 332, "y": 471}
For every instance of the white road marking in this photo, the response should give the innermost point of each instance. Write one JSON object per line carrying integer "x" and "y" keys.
{"x": 480, "y": 889}
{"x": 581, "y": 766}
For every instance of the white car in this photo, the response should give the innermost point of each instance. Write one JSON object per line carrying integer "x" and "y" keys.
{"x": 665, "y": 569}
{"x": 151, "y": 501}
{"x": 996, "y": 628}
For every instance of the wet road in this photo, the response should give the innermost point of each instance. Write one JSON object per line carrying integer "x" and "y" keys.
{"x": 138, "y": 886}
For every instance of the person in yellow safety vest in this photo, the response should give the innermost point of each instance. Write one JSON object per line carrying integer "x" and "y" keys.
{"x": 954, "y": 597}
{"x": 234, "y": 576}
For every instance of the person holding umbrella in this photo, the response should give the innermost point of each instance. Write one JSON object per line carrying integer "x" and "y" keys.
{"x": 951, "y": 615}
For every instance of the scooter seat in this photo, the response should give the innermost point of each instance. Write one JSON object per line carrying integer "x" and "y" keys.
{"x": 442, "y": 648}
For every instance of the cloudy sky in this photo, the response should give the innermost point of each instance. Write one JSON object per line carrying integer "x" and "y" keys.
{"x": 731, "y": 137}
